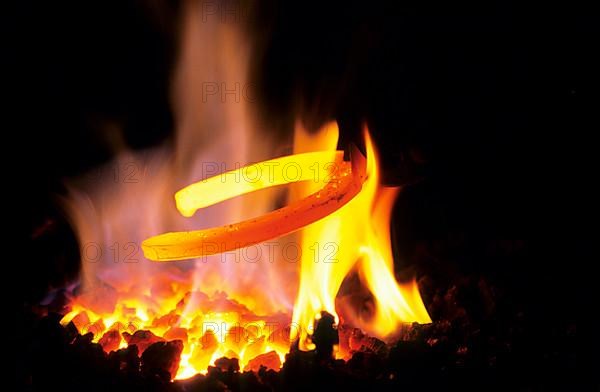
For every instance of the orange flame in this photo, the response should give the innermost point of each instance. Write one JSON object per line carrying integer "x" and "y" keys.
{"x": 355, "y": 235}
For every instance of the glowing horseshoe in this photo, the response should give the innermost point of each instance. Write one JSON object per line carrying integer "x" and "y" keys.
{"x": 346, "y": 179}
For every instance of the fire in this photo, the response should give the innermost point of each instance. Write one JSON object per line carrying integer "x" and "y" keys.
{"x": 251, "y": 298}
{"x": 348, "y": 229}
{"x": 357, "y": 235}
{"x": 217, "y": 327}
{"x": 354, "y": 233}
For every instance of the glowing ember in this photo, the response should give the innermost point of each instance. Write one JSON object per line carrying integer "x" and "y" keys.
{"x": 219, "y": 327}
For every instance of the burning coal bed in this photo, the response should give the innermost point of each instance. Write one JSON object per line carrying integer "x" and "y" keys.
{"x": 479, "y": 339}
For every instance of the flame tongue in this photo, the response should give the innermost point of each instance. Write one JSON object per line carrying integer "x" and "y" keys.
{"x": 356, "y": 235}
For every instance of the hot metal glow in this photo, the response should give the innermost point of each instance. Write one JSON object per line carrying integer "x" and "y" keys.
{"x": 343, "y": 183}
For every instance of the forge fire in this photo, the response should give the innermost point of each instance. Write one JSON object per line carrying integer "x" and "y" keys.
{"x": 341, "y": 214}
{"x": 230, "y": 195}
{"x": 171, "y": 254}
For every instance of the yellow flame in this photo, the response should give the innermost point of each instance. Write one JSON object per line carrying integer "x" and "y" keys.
{"x": 356, "y": 235}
